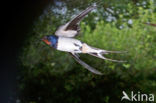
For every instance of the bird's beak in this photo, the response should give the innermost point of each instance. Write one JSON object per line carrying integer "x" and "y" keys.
{"x": 44, "y": 38}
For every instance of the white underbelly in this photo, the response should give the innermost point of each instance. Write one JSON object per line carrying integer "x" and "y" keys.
{"x": 69, "y": 44}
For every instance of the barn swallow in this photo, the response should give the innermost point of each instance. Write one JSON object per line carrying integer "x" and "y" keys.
{"x": 63, "y": 41}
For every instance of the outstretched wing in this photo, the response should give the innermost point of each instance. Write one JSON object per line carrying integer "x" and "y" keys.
{"x": 85, "y": 65}
{"x": 74, "y": 23}
{"x": 72, "y": 28}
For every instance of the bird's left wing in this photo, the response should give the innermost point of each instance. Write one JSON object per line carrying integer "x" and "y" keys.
{"x": 75, "y": 56}
{"x": 72, "y": 28}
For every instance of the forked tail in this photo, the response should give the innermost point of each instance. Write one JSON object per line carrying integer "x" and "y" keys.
{"x": 99, "y": 53}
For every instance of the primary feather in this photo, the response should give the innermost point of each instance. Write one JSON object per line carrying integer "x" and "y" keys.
{"x": 85, "y": 65}
{"x": 72, "y": 28}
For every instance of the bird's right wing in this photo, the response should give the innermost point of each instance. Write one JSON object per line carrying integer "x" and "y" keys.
{"x": 75, "y": 56}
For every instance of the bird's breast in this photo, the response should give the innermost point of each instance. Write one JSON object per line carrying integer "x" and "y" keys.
{"x": 69, "y": 44}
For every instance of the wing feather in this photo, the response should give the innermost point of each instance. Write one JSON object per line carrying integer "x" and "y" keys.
{"x": 76, "y": 57}
{"x": 73, "y": 24}
{"x": 72, "y": 28}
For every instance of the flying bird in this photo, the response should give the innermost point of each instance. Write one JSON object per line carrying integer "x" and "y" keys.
{"x": 63, "y": 41}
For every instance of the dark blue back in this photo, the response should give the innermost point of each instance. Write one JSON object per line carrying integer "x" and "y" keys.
{"x": 54, "y": 40}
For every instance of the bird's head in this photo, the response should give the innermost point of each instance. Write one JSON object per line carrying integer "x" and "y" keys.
{"x": 51, "y": 40}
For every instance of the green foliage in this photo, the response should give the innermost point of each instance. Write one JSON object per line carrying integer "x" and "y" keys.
{"x": 50, "y": 76}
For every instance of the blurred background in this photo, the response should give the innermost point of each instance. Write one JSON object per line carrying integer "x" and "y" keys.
{"x": 38, "y": 74}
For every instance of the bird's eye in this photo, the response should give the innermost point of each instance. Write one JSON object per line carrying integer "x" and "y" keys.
{"x": 48, "y": 38}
